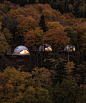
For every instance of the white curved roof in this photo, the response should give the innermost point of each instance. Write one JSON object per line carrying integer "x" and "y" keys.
{"x": 18, "y": 50}
{"x": 69, "y": 48}
{"x": 45, "y": 47}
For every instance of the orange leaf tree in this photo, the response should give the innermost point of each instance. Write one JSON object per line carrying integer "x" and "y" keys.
{"x": 55, "y": 25}
{"x": 25, "y": 24}
{"x": 56, "y": 38}
{"x": 33, "y": 37}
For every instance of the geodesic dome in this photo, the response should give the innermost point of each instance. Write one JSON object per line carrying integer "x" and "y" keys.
{"x": 45, "y": 47}
{"x": 69, "y": 48}
{"x": 21, "y": 50}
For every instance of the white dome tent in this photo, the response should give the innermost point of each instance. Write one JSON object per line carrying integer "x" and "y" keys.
{"x": 68, "y": 49}
{"x": 45, "y": 47}
{"x": 19, "y": 56}
{"x": 21, "y": 50}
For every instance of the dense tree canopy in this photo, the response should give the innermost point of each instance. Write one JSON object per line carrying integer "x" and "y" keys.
{"x": 78, "y": 8}
{"x": 56, "y": 38}
{"x": 43, "y": 76}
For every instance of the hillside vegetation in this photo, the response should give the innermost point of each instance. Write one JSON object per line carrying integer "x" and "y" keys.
{"x": 43, "y": 77}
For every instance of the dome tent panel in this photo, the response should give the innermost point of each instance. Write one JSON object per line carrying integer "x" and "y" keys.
{"x": 21, "y": 50}
{"x": 45, "y": 47}
{"x": 69, "y": 48}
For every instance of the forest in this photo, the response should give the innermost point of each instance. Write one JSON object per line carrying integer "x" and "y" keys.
{"x": 76, "y": 7}
{"x": 55, "y": 76}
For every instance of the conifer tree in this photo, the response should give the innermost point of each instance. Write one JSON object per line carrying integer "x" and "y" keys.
{"x": 42, "y": 23}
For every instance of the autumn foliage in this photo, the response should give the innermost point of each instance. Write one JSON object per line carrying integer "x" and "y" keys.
{"x": 56, "y": 38}
{"x": 43, "y": 76}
